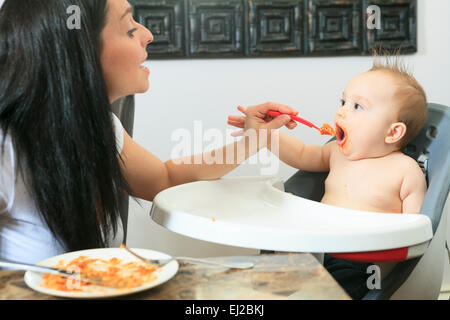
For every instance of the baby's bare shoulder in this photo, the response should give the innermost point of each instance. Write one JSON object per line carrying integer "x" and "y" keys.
{"x": 405, "y": 166}
{"x": 407, "y": 162}
{"x": 410, "y": 169}
{"x": 414, "y": 184}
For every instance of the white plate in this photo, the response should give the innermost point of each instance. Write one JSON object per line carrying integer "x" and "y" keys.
{"x": 163, "y": 274}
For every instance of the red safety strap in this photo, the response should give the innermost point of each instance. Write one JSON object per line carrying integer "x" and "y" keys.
{"x": 390, "y": 255}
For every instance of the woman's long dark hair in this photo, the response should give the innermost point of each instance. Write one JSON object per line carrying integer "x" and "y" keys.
{"x": 54, "y": 105}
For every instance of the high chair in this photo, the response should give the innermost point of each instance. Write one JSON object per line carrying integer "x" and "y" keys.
{"x": 419, "y": 271}
{"x": 267, "y": 214}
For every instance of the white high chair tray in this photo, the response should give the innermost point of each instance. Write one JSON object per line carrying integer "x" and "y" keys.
{"x": 255, "y": 212}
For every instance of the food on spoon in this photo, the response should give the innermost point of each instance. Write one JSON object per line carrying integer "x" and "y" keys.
{"x": 327, "y": 129}
{"x": 114, "y": 273}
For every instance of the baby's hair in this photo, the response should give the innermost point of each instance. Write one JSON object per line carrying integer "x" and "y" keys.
{"x": 410, "y": 96}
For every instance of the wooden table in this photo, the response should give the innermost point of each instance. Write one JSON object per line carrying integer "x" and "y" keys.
{"x": 274, "y": 277}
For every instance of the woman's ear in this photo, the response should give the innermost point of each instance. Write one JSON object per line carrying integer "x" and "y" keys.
{"x": 396, "y": 132}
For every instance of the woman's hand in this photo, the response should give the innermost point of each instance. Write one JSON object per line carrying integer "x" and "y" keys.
{"x": 256, "y": 118}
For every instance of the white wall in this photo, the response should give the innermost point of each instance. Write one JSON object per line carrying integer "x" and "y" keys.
{"x": 182, "y": 91}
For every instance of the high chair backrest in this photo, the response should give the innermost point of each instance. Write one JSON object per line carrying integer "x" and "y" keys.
{"x": 124, "y": 110}
{"x": 431, "y": 148}
{"x": 421, "y": 277}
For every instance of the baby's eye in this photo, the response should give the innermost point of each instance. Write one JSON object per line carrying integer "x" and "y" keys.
{"x": 342, "y": 102}
{"x": 358, "y": 107}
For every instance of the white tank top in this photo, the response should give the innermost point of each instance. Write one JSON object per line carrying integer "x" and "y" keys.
{"x": 24, "y": 235}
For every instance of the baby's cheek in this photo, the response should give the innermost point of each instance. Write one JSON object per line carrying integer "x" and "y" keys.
{"x": 368, "y": 135}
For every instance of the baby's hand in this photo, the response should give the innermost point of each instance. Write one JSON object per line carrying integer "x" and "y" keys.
{"x": 256, "y": 118}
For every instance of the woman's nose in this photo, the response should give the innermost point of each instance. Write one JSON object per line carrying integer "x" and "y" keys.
{"x": 148, "y": 38}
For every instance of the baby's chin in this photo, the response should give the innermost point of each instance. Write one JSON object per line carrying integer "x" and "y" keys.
{"x": 346, "y": 152}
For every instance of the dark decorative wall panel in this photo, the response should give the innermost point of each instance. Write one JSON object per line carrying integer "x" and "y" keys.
{"x": 216, "y": 27}
{"x": 275, "y": 27}
{"x": 166, "y": 20}
{"x": 255, "y": 28}
{"x": 398, "y": 26}
{"x": 334, "y": 26}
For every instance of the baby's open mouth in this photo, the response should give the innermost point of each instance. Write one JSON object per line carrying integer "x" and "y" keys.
{"x": 341, "y": 135}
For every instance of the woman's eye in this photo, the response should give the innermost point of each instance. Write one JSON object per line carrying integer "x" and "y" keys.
{"x": 130, "y": 33}
{"x": 358, "y": 107}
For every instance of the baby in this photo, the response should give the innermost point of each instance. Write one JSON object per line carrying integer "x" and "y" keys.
{"x": 380, "y": 112}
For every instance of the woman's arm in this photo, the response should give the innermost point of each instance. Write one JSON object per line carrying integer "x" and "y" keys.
{"x": 291, "y": 150}
{"x": 147, "y": 175}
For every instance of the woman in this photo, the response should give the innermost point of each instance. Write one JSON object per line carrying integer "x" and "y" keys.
{"x": 65, "y": 160}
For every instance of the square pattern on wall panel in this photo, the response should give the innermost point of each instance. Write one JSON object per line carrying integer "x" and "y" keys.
{"x": 398, "y": 29}
{"x": 166, "y": 20}
{"x": 255, "y": 28}
{"x": 334, "y": 26}
{"x": 216, "y": 27}
{"x": 275, "y": 27}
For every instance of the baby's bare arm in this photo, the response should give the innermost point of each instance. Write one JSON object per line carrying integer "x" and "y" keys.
{"x": 295, "y": 153}
{"x": 413, "y": 189}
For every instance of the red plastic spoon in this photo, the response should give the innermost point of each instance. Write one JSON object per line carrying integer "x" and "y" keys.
{"x": 324, "y": 130}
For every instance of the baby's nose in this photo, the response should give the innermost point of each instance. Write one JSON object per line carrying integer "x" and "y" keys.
{"x": 341, "y": 113}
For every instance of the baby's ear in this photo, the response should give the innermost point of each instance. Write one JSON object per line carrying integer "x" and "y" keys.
{"x": 396, "y": 132}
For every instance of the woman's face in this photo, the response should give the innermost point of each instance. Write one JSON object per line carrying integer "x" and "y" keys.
{"x": 124, "y": 51}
